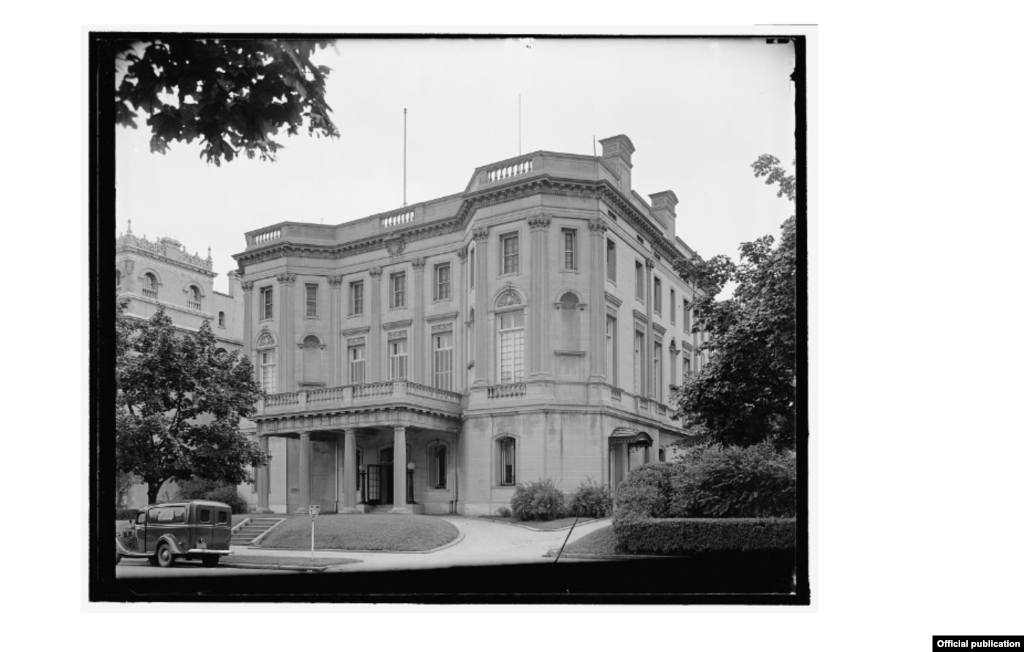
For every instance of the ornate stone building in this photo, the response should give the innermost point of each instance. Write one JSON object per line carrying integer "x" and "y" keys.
{"x": 434, "y": 356}
{"x": 163, "y": 273}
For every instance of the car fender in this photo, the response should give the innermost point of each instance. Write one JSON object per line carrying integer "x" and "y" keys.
{"x": 172, "y": 543}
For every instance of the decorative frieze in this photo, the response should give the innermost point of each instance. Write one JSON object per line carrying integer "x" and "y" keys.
{"x": 356, "y": 341}
{"x": 397, "y": 335}
{"x": 541, "y": 222}
{"x": 509, "y": 298}
{"x": 442, "y": 328}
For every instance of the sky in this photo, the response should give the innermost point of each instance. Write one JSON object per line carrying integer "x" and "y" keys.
{"x": 699, "y": 112}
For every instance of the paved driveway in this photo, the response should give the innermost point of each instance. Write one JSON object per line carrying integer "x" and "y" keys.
{"x": 484, "y": 543}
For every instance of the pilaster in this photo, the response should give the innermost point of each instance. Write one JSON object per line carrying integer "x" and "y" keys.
{"x": 598, "y": 363}
{"x": 263, "y": 477}
{"x": 480, "y": 342}
{"x": 286, "y": 349}
{"x": 249, "y": 318}
{"x": 305, "y": 481}
{"x": 374, "y": 349}
{"x": 337, "y": 360}
{"x": 649, "y": 339}
{"x": 538, "y": 335}
{"x": 459, "y": 332}
{"x": 350, "y": 471}
{"x": 400, "y": 461}
{"x": 419, "y": 348}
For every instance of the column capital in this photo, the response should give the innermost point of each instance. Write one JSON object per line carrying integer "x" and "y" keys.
{"x": 286, "y": 279}
{"x": 480, "y": 233}
{"x": 649, "y": 262}
{"x": 463, "y": 253}
{"x": 246, "y": 286}
{"x": 418, "y": 264}
{"x": 540, "y": 222}
{"x": 335, "y": 281}
{"x": 375, "y": 272}
{"x": 597, "y": 225}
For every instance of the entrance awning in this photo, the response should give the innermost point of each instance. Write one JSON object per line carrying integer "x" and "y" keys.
{"x": 631, "y": 437}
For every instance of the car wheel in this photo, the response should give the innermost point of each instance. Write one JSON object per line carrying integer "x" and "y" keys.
{"x": 211, "y": 560}
{"x": 164, "y": 558}
{"x": 153, "y": 561}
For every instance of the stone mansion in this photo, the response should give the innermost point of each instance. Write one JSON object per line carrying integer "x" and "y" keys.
{"x": 432, "y": 357}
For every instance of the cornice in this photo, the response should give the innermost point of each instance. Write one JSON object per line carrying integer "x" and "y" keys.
{"x": 447, "y": 315}
{"x": 349, "y": 332}
{"x": 401, "y": 323}
{"x": 639, "y": 315}
{"x": 612, "y": 299}
{"x": 658, "y": 328}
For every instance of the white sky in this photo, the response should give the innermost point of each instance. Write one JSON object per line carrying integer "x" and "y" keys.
{"x": 699, "y": 112}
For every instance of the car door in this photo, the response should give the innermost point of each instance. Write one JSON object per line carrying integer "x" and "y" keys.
{"x": 204, "y": 528}
{"x": 222, "y": 530}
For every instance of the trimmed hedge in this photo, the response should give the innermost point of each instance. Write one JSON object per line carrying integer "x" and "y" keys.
{"x": 673, "y": 536}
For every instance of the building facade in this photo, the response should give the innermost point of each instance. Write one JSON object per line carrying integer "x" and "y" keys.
{"x": 434, "y": 356}
{"x": 161, "y": 273}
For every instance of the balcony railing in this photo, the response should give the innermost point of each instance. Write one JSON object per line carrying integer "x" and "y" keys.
{"x": 643, "y": 404}
{"x": 362, "y": 394}
{"x": 373, "y": 390}
{"x": 415, "y": 389}
{"x": 194, "y": 305}
{"x": 281, "y": 400}
{"x": 266, "y": 236}
{"x": 325, "y": 395}
{"x": 397, "y": 219}
{"x": 509, "y": 171}
{"x": 146, "y": 292}
{"x": 616, "y": 394}
{"x": 510, "y": 390}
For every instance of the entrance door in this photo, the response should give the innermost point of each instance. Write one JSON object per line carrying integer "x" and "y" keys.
{"x": 618, "y": 458}
{"x": 387, "y": 476}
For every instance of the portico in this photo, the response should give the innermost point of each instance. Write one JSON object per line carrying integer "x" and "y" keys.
{"x": 347, "y": 458}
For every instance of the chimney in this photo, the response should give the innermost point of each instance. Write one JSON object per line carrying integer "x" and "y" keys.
{"x": 617, "y": 152}
{"x": 663, "y": 206}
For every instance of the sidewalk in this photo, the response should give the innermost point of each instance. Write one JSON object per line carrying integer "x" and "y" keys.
{"x": 482, "y": 543}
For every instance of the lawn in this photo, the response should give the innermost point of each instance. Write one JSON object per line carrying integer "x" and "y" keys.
{"x": 598, "y": 542}
{"x": 386, "y": 532}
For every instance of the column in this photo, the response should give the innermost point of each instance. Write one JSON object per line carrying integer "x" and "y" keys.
{"x": 351, "y": 471}
{"x": 336, "y": 360}
{"x": 419, "y": 349}
{"x": 598, "y": 364}
{"x": 649, "y": 339}
{"x": 538, "y": 333}
{"x": 480, "y": 355}
{"x": 374, "y": 349}
{"x": 400, "y": 472}
{"x": 263, "y": 479}
{"x": 305, "y": 457}
{"x": 287, "y": 349}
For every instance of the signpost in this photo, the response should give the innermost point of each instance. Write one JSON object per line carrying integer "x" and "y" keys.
{"x": 314, "y": 511}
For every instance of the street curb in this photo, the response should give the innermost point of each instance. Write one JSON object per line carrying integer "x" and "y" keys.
{"x": 291, "y": 567}
{"x": 588, "y": 555}
{"x": 451, "y": 543}
{"x": 535, "y": 529}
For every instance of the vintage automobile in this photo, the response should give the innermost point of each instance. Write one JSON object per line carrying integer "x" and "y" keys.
{"x": 199, "y": 529}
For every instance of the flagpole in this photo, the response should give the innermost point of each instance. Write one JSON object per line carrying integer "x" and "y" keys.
{"x": 404, "y": 152}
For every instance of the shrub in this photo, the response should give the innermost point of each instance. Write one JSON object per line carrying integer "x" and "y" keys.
{"x": 645, "y": 492}
{"x": 703, "y": 535}
{"x": 540, "y": 501}
{"x": 203, "y": 489}
{"x": 229, "y": 495}
{"x": 590, "y": 499}
{"x": 503, "y": 512}
{"x": 719, "y": 482}
{"x": 126, "y": 513}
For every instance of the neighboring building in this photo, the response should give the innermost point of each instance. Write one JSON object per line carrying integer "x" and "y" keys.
{"x": 162, "y": 273}
{"x": 526, "y": 328}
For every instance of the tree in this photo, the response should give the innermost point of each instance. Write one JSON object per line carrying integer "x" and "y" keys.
{"x": 179, "y": 403}
{"x": 747, "y": 391}
{"x": 234, "y": 94}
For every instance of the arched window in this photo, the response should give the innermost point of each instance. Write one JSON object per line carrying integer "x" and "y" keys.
{"x": 149, "y": 285}
{"x": 661, "y": 454}
{"x": 569, "y": 304}
{"x": 266, "y": 353}
{"x": 220, "y": 319}
{"x": 311, "y": 359}
{"x": 507, "y": 461}
{"x": 195, "y": 299}
{"x": 118, "y": 277}
{"x": 511, "y": 337}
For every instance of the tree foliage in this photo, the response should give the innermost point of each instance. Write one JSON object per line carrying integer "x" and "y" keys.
{"x": 746, "y": 392}
{"x": 233, "y": 94}
{"x": 179, "y": 403}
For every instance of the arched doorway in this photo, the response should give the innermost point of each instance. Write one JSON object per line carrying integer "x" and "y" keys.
{"x": 627, "y": 449}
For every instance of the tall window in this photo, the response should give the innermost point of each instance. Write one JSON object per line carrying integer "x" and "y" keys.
{"x": 268, "y": 363}
{"x": 356, "y": 302}
{"x": 569, "y": 240}
{"x": 510, "y": 347}
{"x": 686, "y": 316}
{"x": 657, "y": 295}
{"x": 399, "y": 349}
{"x": 510, "y": 254}
{"x": 312, "y": 297}
{"x": 439, "y": 466}
{"x": 398, "y": 290}
{"x": 443, "y": 361}
{"x": 639, "y": 367}
{"x": 672, "y": 306}
{"x": 267, "y": 303}
{"x": 611, "y": 260}
{"x": 675, "y": 364}
{"x": 611, "y": 326}
{"x": 686, "y": 365}
{"x": 220, "y": 319}
{"x": 658, "y": 377}
{"x": 507, "y": 461}
{"x": 640, "y": 281}
{"x": 118, "y": 272}
{"x": 149, "y": 286}
{"x": 357, "y": 364}
{"x": 442, "y": 281}
{"x": 472, "y": 267}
